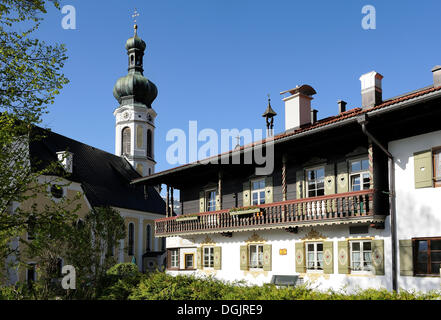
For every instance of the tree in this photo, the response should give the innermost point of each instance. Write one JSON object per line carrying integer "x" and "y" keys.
{"x": 30, "y": 78}
{"x": 92, "y": 248}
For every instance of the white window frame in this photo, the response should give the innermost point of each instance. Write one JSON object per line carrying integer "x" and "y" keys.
{"x": 207, "y": 194}
{"x": 315, "y": 268}
{"x": 174, "y": 258}
{"x": 360, "y": 174}
{"x": 307, "y": 180}
{"x": 210, "y": 255}
{"x": 258, "y": 192}
{"x": 363, "y": 270}
{"x": 259, "y": 256}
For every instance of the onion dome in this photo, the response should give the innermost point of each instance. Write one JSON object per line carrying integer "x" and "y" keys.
{"x": 134, "y": 87}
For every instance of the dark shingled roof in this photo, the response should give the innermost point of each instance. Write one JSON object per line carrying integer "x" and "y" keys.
{"x": 104, "y": 177}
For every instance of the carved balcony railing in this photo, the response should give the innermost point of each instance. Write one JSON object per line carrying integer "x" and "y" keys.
{"x": 350, "y": 207}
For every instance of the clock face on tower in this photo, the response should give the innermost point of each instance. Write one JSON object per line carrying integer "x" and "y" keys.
{"x": 126, "y": 115}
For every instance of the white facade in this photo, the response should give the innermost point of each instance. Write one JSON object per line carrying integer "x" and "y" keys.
{"x": 140, "y": 120}
{"x": 418, "y": 209}
{"x": 283, "y": 256}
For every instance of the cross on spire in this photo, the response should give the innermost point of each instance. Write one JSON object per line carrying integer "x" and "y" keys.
{"x": 134, "y": 16}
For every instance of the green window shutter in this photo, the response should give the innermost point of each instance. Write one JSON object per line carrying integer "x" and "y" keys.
{"x": 246, "y": 194}
{"x": 202, "y": 201}
{"x": 328, "y": 257}
{"x": 267, "y": 257}
{"x": 300, "y": 184}
{"x": 269, "y": 196}
{"x": 329, "y": 179}
{"x": 423, "y": 169}
{"x": 343, "y": 257}
{"x": 199, "y": 258}
{"x": 406, "y": 258}
{"x": 300, "y": 257}
{"x": 243, "y": 257}
{"x": 378, "y": 256}
{"x": 342, "y": 177}
{"x": 217, "y": 258}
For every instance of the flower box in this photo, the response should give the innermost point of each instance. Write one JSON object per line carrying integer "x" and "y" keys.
{"x": 187, "y": 218}
{"x": 244, "y": 211}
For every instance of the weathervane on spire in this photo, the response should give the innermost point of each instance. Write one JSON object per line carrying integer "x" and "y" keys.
{"x": 134, "y": 16}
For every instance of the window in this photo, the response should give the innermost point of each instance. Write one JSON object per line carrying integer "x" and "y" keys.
{"x": 31, "y": 274}
{"x": 208, "y": 257}
{"x": 149, "y": 143}
{"x": 427, "y": 256}
{"x": 256, "y": 256}
{"x": 315, "y": 182}
{"x": 361, "y": 256}
{"x": 59, "y": 267}
{"x": 125, "y": 142}
{"x": 314, "y": 256}
{"x": 258, "y": 192}
{"x": 359, "y": 175}
{"x": 31, "y": 227}
{"x": 189, "y": 261}
{"x": 437, "y": 167}
{"x": 131, "y": 250}
{"x": 148, "y": 236}
{"x": 210, "y": 200}
{"x": 174, "y": 258}
{"x": 57, "y": 191}
{"x": 163, "y": 243}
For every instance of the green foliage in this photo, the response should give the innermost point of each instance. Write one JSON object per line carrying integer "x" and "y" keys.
{"x": 160, "y": 286}
{"x": 30, "y": 78}
{"x": 122, "y": 270}
{"x": 92, "y": 248}
{"x": 120, "y": 281}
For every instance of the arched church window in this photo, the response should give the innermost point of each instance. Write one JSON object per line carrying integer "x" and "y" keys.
{"x": 149, "y": 143}
{"x": 125, "y": 141}
{"x": 131, "y": 248}
{"x": 148, "y": 238}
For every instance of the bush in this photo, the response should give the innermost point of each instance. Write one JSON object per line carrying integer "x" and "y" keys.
{"x": 160, "y": 286}
{"x": 120, "y": 281}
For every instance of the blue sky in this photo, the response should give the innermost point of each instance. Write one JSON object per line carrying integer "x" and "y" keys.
{"x": 215, "y": 61}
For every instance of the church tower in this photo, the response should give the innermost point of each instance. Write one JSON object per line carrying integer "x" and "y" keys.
{"x": 135, "y": 117}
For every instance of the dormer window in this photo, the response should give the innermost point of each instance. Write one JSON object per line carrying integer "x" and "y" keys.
{"x": 66, "y": 160}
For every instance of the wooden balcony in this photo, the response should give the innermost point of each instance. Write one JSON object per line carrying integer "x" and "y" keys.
{"x": 343, "y": 208}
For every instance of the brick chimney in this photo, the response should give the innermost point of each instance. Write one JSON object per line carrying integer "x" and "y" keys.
{"x": 298, "y": 107}
{"x": 371, "y": 92}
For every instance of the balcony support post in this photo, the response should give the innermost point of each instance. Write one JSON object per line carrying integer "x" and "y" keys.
{"x": 284, "y": 160}
{"x": 172, "y": 201}
{"x": 219, "y": 188}
{"x": 167, "y": 202}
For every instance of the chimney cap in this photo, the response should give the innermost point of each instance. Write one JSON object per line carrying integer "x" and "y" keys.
{"x": 436, "y": 68}
{"x": 303, "y": 89}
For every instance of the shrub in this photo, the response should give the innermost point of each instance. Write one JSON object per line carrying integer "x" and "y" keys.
{"x": 160, "y": 286}
{"x": 120, "y": 281}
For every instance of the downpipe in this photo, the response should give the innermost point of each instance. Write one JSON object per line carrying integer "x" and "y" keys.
{"x": 363, "y": 120}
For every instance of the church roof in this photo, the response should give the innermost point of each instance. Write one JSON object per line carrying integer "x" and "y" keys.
{"x": 104, "y": 177}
